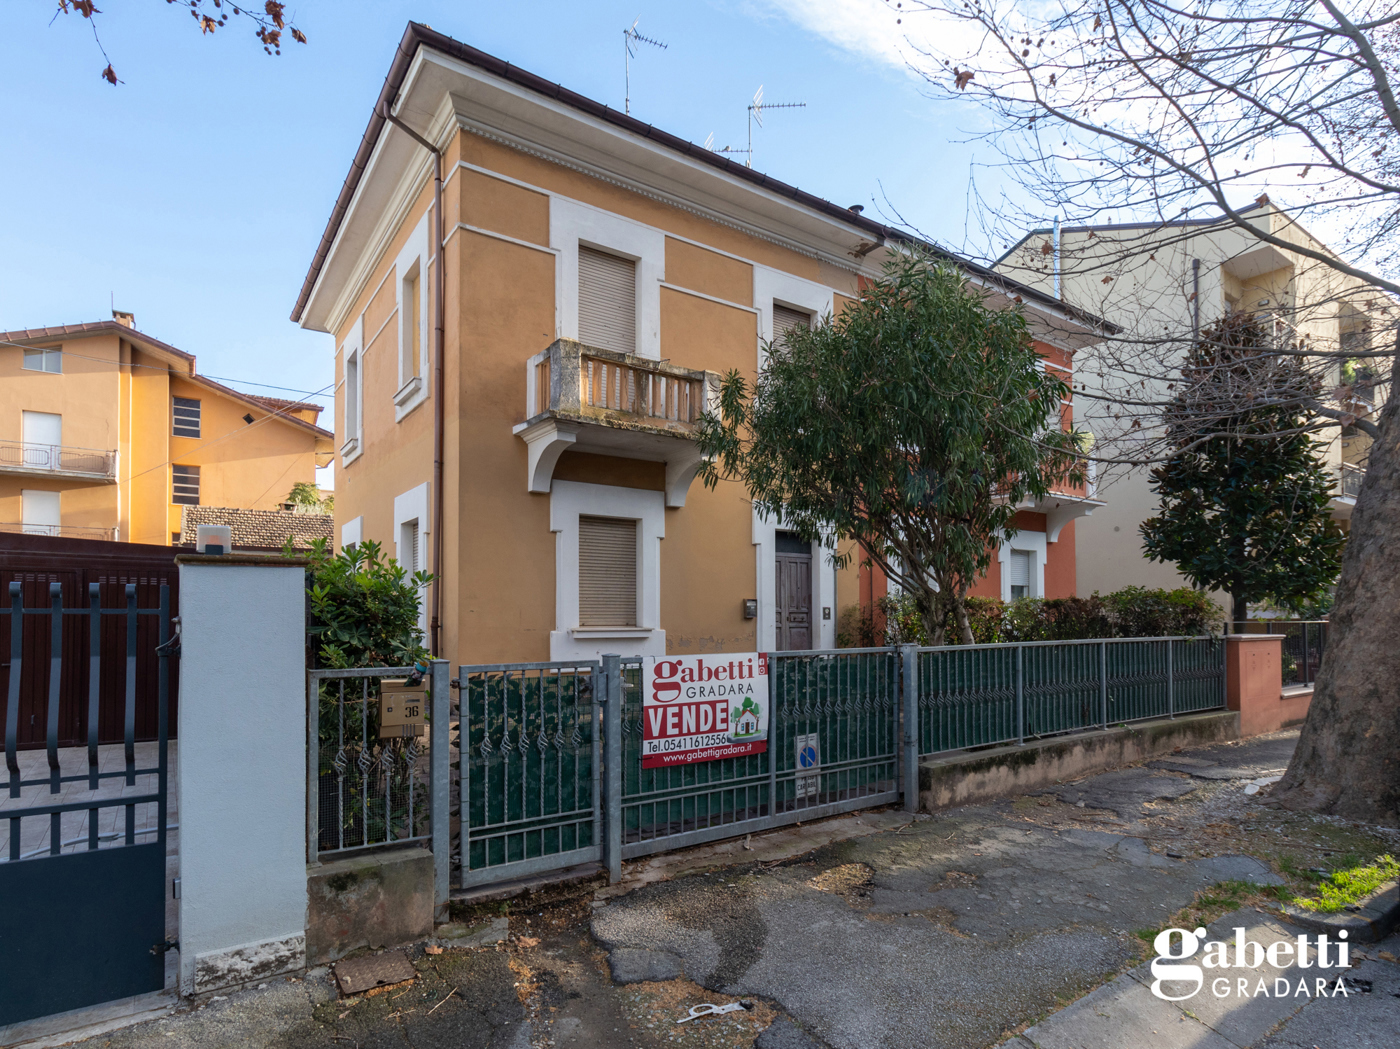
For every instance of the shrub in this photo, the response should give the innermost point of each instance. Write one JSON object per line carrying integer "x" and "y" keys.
{"x": 1131, "y": 612}
{"x": 364, "y": 611}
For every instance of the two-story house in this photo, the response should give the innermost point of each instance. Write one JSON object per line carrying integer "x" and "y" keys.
{"x": 1161, "y": 282}
{"x": 108, "y": 433}
{"x": 590, "y": 277}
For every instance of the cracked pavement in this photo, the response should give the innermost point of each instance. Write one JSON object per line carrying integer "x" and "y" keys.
{"x": 963, "y": 929}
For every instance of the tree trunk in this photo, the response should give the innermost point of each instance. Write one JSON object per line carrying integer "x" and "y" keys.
{"x": 931, "y": 614}
{"x": 1239, "y": 612}
{"x": 960, "y": 615}
{"x": 1348, "y": 757}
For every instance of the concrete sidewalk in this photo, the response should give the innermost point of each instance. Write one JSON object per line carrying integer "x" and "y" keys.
{"x": 1363, "y": 1012}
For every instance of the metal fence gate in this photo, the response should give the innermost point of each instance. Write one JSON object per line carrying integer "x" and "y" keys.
{"x": 83, "y": 844}
{"x": 549, "y": 755}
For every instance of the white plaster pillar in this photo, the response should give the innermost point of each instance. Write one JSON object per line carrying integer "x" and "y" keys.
{"x": 242, "y": 763}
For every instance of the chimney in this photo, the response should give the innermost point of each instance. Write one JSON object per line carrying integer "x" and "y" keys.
{"x": 122, "y": 317}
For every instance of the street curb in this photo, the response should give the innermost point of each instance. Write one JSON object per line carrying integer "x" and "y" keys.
{"x": 1375, "y": 919}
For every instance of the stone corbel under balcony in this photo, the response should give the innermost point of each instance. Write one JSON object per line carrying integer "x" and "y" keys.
{"x": 546, "y": 439}
{"x": 1059, "y": 510}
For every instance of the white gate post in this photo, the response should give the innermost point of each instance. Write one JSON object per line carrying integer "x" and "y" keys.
{"x": 242, "y": 768}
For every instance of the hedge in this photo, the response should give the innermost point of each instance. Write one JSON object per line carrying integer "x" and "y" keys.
{"x": 1134, "y": 611}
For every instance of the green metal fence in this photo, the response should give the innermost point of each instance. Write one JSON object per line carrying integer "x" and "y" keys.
{"x": 549, "y": 755}
{"x": 528, "y": 746}
{"x": 979, "y": 695}
{"x": 841, "y": 705}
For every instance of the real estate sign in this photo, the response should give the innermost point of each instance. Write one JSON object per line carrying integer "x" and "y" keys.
{"x": 705, "y": 707}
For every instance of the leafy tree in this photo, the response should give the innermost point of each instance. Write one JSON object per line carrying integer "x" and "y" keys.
{"x": 364, "y": 611}
{"x": 1144, "y": 111}
{"x": 1245, "y": 501}
{"x": 306, "y": 497}
{"x": 914, "y": 423}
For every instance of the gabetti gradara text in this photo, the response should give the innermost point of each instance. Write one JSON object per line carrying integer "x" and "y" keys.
{"x": 696, "y": 699}
{"x": 1174, "y": 965}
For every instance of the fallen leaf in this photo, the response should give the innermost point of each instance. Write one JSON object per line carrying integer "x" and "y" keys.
{"x": 1385, "y": 956}
{"x": 528, "y": 941}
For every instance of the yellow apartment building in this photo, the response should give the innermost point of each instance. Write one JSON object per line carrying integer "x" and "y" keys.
{"x": 598, "y": 276}
{"x": 108, "y": 433}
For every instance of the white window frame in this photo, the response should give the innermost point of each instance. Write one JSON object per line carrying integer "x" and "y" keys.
{"x": 414, "y": 256}
{"x": 45, "y": 354}
{"x": 570, "y": 500}
{"x": 352, "y": 390}
{"x": 766, "y": 586}
{"x": 352, "y": 532}
{"x": 409, "y": 508}
{"x": 572, "y": 224}
{"x": 796, "y": 293}
{"x": 1031, "y": 542}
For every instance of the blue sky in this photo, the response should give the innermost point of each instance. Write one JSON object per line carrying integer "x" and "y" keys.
{"x": 194, "y": 193}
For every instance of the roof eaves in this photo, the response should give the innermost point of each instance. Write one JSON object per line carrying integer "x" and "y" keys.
{"x": 416, "y": 35}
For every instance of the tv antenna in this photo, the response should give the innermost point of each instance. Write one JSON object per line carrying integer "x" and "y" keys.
{"x": 756, "y": 108}
{"x": 630, "y": 39}
{"x": 710, "y": 145}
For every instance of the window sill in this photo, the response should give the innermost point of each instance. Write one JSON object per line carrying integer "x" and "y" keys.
{"x": 350, "y": 451}
{"x": 408, "y": 391}
{"x": 641, "y": 632}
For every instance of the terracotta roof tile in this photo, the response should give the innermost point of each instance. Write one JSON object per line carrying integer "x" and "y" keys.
{"x": 258, "y": 529}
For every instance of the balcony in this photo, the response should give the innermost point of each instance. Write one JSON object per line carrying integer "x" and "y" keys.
{"x": 591, "y": 400}
{"x": 58, "y": 461}
{"x": 59, "y": 531}
{"x": 1348, "y": 480}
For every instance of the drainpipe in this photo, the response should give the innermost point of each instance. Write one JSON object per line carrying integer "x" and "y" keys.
{"x": 439, "y": 394}
{"x": 1057, "y": 256}
{"x": 1195, "y": 301}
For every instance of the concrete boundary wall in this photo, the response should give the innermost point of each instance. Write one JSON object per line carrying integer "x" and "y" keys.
{"x": 242, "y": 762}
{"x": 971, "y": 777}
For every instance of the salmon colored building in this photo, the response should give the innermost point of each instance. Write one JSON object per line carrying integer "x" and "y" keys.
{"x": 108, "y": 433}
{"x": 520, "y": 369}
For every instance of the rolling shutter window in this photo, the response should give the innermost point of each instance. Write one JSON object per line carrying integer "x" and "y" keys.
{"x": 414, "y": 564}
{"x": 1020, "y": 573}
{"x": 607, "y": 301}
{"x": 607, "y": 572}
{"x": 784, "y": 320}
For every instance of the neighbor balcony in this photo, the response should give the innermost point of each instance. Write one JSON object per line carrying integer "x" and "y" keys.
{"x": 585, "y": 399}
{"x": 1348, "y": 486}
{"x": 58, "y": 461}
{"x": 59, "y": 531}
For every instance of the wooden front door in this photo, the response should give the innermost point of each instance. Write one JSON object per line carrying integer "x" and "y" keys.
{"x": 794, "y": 593}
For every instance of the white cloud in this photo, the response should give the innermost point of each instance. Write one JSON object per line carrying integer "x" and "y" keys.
{"x": 911, "y": 41}
{"x": 863, "y": 27}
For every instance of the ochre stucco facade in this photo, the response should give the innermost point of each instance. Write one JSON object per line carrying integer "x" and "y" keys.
{"x": 714, "y": 255}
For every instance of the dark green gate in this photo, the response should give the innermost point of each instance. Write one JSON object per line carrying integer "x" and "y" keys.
{"x": 82, "y": 877}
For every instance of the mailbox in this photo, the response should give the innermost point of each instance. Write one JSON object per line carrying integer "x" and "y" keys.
{"x": 403, "y": 708}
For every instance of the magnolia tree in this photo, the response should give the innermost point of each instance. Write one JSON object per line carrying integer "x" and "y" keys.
{"x": 1144, "y": 111}
{"x": 1247, "y": 509}
{"x": 913, "y": 423}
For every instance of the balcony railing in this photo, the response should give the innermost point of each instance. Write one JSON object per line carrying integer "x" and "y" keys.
{"x": 23, "y": 457}
{"x": 1349, "y": 480}
{"x": 61, "y": 531}
{"x": 590, "y": 383}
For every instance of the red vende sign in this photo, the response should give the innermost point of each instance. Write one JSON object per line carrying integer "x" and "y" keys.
{"x": 702, "y": 708}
